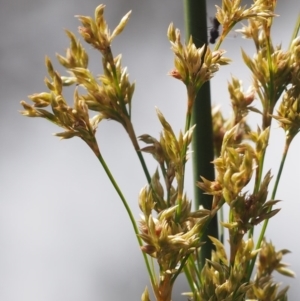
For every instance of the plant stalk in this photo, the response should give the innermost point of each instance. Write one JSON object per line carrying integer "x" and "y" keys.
{"x": 265, "y": 224}
{"x": 203, "y": 154}
{"x": 96, "y": 151}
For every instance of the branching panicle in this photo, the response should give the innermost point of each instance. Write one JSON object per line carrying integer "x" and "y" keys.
{"x": 170, "y": 230}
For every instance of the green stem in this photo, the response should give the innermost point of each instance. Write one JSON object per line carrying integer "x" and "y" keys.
{"x": 258, "y": 177}
{"x": 130, "y": 130}
{"x": 108, "y": 55}
{"x": 259, "y": 171}
{"x": 221, "y": 216}
{"x": 144, "y": 166}
{"x": 284, "y": 155}
{"x": 197, "y": 282}
{"x": 268, "y": 110}
{"x": 203, "y": 155}
{"x": 223, "y": 35}
{"x": 271, "y": 86}
{"x": 189, "y": 279}
{"x": 182, "y": 266}
{"x": 296, "y": 30}
{"x": 127, "y": 208}
{"x": 265, "y": 224}
{"x": 188, "y": 118}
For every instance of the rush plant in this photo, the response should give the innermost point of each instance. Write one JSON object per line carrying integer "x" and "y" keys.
{"x": 170, "y": 232}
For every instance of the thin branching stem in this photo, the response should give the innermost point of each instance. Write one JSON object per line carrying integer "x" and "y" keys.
{"x": 296, "y": 30}
{"x": 188, "y": 119}
{"x": 189, "y": 279}
{"x": 223, "y": 36}
{"x": 131, "y": 217}
{"x": 129, "y": 126}
{"x": 265, "y": 224}
{"x": 144, "y": 166}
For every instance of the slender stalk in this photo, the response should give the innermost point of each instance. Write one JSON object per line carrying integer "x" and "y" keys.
{"x": 197, "y": 282}
{"x": 221, "y": 217}
{"x": 296, "y": 30}
{"x": 108, "y": 55}
{"x": 127, "y": 208}
{"x": 271, "y": 86}
{"x": 188, "y": 119}
{"x": 144, "y": 166}
{"x": 189, "y": 279}
{"x": 265, "y": 224}
{"x": 268, "y": 110}
{"x": 130, "y": 130}
{"x": 259, "y": 172}
{"x": 179, "y": 270}
{"x": 223, "y": 36}
{"x": 196, "y": 26}
{"x": 284, "y": 155}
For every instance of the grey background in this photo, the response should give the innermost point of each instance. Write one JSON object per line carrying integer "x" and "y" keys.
{"x": 64, "y": 234}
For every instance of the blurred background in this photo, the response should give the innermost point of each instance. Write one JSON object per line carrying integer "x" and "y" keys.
{"x": 64, "y": 234}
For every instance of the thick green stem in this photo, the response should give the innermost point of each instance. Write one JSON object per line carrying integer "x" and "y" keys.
{"x": 203, "y": 155}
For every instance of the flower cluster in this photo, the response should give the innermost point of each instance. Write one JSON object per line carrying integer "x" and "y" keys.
{"x": 170, "y": 231}
{"x": 109, "y": 95}
{"x": 288, "y": 113}
{"x": 174, "y": 234}
{"x": 75, "y": 120}
{"x": 232, "y": 12}
{"x": 193, "y": 66}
